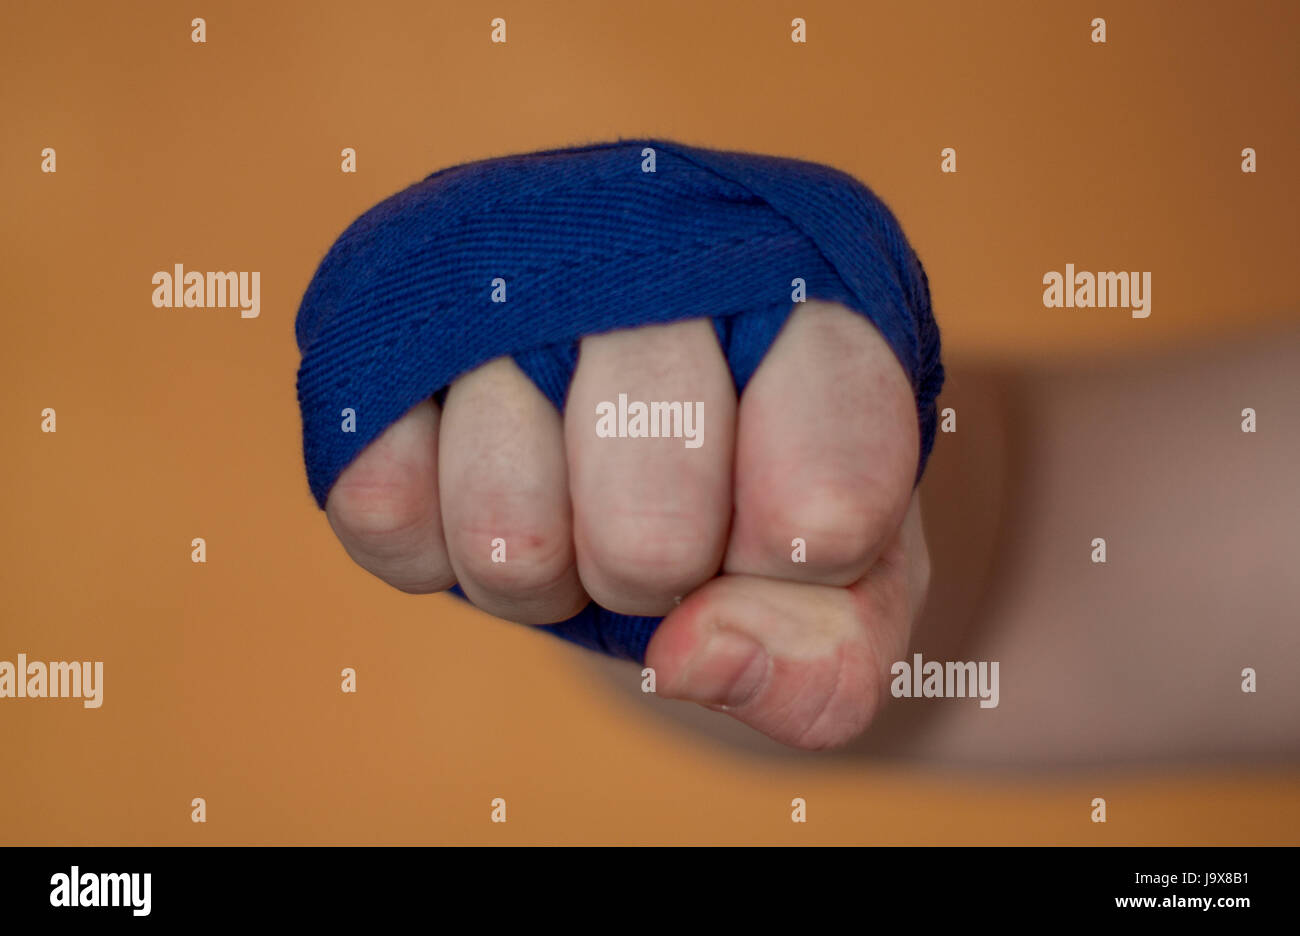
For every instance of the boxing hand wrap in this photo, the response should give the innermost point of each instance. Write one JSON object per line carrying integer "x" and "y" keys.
{"x": 586, "y": 240}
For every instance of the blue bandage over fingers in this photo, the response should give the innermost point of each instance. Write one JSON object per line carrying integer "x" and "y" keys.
{"x": 585, "y": 240}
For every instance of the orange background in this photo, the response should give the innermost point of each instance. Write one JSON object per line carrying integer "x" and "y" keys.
{"x": 222, "y": 680}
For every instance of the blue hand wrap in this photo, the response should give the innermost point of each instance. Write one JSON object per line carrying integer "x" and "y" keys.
{"x": 586, "y": 242}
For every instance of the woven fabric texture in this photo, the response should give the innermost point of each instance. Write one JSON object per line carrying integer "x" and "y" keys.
{"x": 584, "y": 240}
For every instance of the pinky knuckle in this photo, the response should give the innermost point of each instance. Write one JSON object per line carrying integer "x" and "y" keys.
{"x": 381, "y": 519}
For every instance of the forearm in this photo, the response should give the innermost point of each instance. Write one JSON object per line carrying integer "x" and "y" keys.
{"x": 1139, "y": 657}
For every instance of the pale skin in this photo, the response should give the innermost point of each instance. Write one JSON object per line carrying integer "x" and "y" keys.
{"x": 1137, "y": 658}
{"x": 799, "y": 651}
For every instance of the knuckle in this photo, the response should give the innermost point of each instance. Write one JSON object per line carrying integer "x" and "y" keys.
{"x": 661, "y": 553}
{"x": 382, "y": 519}
{"x": 532, "y": 562}
{"x": 842, "y": 524}
{"x": 387, "y": 530}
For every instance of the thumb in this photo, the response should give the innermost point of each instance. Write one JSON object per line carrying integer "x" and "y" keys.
{"x": 807, "y": 665}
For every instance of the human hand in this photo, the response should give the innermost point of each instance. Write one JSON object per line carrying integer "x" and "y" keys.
{"x": 821, "y": 448}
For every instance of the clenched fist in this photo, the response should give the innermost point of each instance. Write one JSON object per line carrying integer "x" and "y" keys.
{"x": 781, "y": 537}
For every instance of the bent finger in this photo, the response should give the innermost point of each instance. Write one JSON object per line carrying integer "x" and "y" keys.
{"x": 384, "y": 506}
{"x": 807, "y": 665}
{"x": 826, "y": 451}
